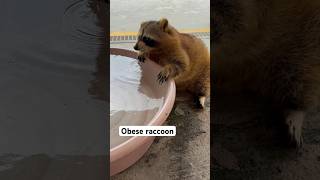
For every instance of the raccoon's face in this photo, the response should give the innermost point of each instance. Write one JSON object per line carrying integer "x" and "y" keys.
{"x": 226, "y": 19}
{"x": 152, "y": 34}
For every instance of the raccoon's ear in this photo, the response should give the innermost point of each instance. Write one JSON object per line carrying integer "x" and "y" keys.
{"x": 143, "y": 23}
{"x": 164, "y": 24}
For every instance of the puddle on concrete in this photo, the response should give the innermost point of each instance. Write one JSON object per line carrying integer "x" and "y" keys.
{"x": 49, "y": 54}
{"x": 133, "y": 98}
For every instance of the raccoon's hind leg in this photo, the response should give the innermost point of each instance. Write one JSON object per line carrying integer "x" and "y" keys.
{"x": 199, "y": 101}
{"x": 294, "y": 120}
{"x": 201, "y": 88}
{"x": 200, "y": 91}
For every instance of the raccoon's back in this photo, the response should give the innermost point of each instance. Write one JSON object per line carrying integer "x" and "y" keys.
{"x": 195, "y": 48}
{"x": 197, "y": 51}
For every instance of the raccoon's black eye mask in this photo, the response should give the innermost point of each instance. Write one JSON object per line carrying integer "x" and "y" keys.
{"x": 148, "y": 41}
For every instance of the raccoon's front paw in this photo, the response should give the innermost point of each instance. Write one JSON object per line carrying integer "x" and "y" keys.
{"x": 294, "y": 123}
{"x": 141, "y": 57}
{"x": 163, "y": 76}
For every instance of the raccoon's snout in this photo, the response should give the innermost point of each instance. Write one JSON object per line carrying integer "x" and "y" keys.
{"x": 135, "y": 47}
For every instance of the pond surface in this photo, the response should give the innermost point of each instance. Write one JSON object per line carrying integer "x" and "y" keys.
{"x": 53, "y": 108}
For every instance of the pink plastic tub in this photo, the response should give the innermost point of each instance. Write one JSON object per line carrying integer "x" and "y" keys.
{"x": 128, "y": 152}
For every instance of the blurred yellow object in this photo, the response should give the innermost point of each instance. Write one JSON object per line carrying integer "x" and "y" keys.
{"x": 182, "y": 31}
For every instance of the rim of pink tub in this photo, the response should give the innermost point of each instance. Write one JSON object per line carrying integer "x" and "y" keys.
{"x": 139, "y": 143}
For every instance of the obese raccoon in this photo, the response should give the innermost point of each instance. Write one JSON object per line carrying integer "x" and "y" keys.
{"x": 183, "y": 57}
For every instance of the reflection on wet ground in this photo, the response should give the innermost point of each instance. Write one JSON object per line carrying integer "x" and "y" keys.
{"x": 51, "y": 54}
{"x": 99, "y": 84}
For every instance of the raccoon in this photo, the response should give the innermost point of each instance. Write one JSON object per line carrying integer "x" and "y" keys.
{"x": 183, "y": 57}
{"x": 271, "y": 48}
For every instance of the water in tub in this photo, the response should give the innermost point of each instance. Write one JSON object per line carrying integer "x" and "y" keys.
{"x": 129, "y": 104}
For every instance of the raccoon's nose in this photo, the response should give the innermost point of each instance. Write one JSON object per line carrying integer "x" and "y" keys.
{"x": 136, "y": 47}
